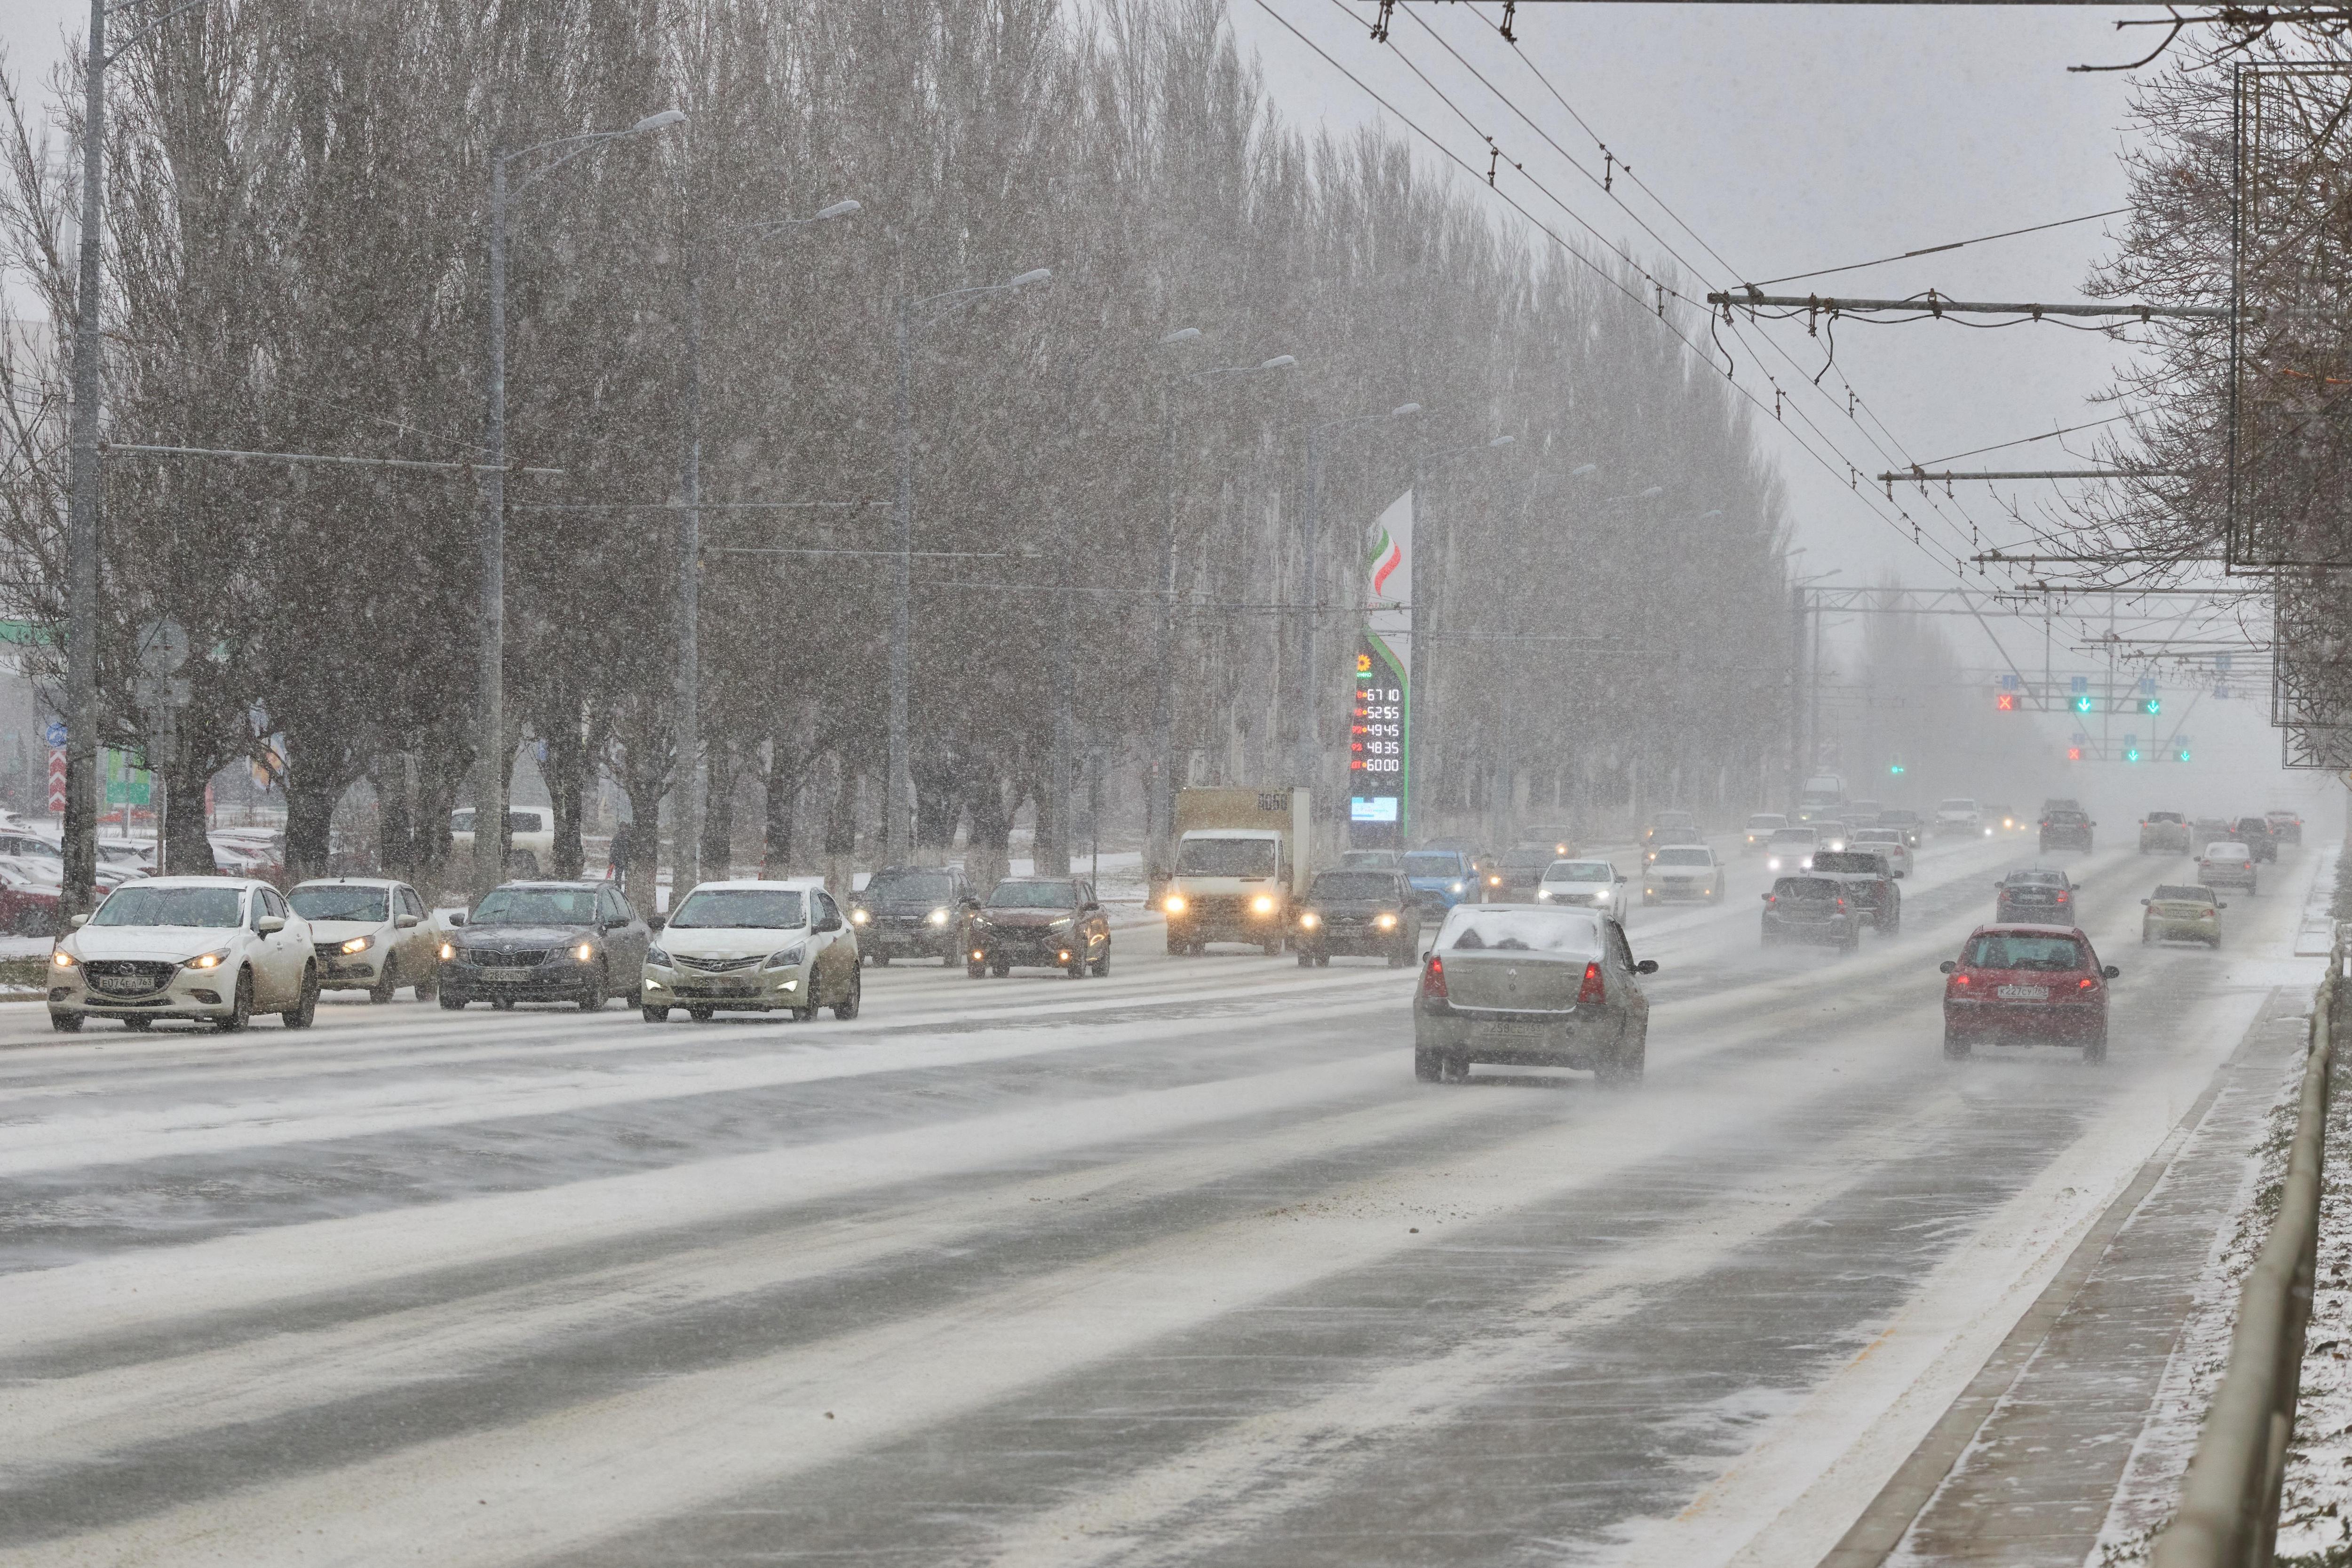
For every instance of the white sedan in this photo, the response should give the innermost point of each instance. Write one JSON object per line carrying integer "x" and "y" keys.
{"x": 1889, "y": 844}
{"x": 1594, "y": 884}
{"x": 1683, "y": 871}
{"x": 212, "y": 949}
{"x": 372, "y": 934}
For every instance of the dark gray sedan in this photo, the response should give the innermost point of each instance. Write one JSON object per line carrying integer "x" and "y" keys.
{"x": 1530, "y": 985}
{"x": 546, "y": 942}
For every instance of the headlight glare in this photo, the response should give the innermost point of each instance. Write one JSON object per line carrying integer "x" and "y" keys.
{"x": 1310, "y": 920}
{"x": 213, "y": 960}
{"x": 358, "y": 944}
{"x": 1388, "y": 922}
{"x": 859, "y": 917}
{"x": 1261, "y": 905}
{"x": 448, "y": 952}
{"x": 939, "y": 917}
{"x": 63, "y": 959}
{"x": 585, "y": 951}
{"x": 1175, "y": 903}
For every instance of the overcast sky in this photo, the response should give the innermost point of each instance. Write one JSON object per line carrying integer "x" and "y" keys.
{"x": 1788, "y": 138}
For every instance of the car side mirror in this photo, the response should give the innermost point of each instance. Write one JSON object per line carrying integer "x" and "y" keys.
{"x": 2143, "y": 903}
{"x": 1949, "y": 966}
{"x": 2112, "y": 972}
{"x": 613, "y": 922}
{"x": 271, "y": 925}
{"x": 457, "y": 916}
{"x": 656, "y": 920}
{"x": 1647, "y": 966}
{"x": 1766, "y": 897}
{"x": 406, "y": 922}
{"x": 78, "y": 921}
{"x": 830, "y": 922}
{"x": 2221, "y": 906}
{"x": 1090, "y": 908}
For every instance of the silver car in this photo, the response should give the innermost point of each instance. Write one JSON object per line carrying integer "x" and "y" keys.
{"x": 2227, "y": 865}
{"x": 1683, "y": 871}
{"x": 1587, "y": 884}
{"x": 1888, "y": 845}
{"x": 1530, "y": 985}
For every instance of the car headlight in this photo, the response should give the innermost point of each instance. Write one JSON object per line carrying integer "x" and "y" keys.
{"x": 939, "y": 917}
{"x": 1543, "y": 895}
{"x": 585, "y": 951}
{"x": 1453, "y": 887}
{"x": 859, "y": 917}
{"x": 1064, "y": 923}
{"x": 1261, "y": 905}
{"x": 657, "y": 956}
{"x": 212, "y": 960}
{"x": 63, "y": 959}
{"x": 1310, "y": 920}
{"x": 448, "y": 950}
{"x": 1988, "y": 833}
{"x": 1773, "y": 864}
{"x": 1174, "y": 904}
{"x": 788, "y": 958}
{"x": 1494, "y": 881}
{"x": 358, "y": 944}
{"x": 1386, "y": 922}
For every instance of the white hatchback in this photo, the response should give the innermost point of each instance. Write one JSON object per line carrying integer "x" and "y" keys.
{"x": 212, "y": 949}
{"x": 1889, "y": 844}
{"x": 1683, "y": 871}
{"x": 1592, "y": 884}
{"x": 372, "y": 935}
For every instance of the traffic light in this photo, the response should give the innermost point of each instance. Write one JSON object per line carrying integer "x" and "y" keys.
{"x": 2002, "y": 703}
{"x": 2132, "y": 754}
{"x": 1895, "y": 767}
{"x": 2082, "y": 705}
{"x": 2151, "y": 706}
{"x": 2073, "y": 753}
{"x": 2182, "y": 755}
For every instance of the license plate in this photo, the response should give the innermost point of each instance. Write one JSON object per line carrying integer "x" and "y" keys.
{"x": 2022, "y": 993}
{"x": 128, "y": 986}
{"x": 506, "y": 974}
{"x": 1522, "y": 1031}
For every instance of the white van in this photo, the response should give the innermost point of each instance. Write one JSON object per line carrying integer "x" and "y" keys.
{"x": 531, "y": 847}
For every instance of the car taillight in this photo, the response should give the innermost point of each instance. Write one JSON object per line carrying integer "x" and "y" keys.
{"x": 1433, "y": 979}
{"x": 1840, "y": 904}
{"x": 1590, "y": 991}
{"x": 2062, "y": 895}
{"x": 2247, "y": 867}
{"x": 2084, "y": 983}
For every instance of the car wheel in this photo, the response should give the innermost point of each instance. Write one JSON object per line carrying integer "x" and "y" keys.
{"x": 386, "y": 984}
{"x": 2094, "y": 1051}
{"x": 975, "y": 969}
{"x": 429, "y": 983}
{"x": 881, "y": 961}
{"x": 656, "y": 1015}
{"x": 1000, "y": 968}
{"x": 1102, "y": 964}
{"x": 1305, "y": 959}
{"x": 2144, "y": 938}
{"x": 452, "y": 1001}
{"x": 241, "y": 1007}
{"x": 1955, "y": 1045}
{"x": 1457, "y": 1069}
{"x": 502, "y": 1004}
{"x": 592, "y": 999}
{"x": 1623, "y": 1067}
{"x": 1078, "y": 966}
{"x": 1427, "y": 1065}
{"x": 1196, "y": 949}
{"x": 1274, "y": 950}
{"x": 1399, "y": 957}
{"x": 846, "y": 1008}
{"x": 306, "y": 1004}
{"x": 66, "y": 1022}
{"x": 702, "y": 1015}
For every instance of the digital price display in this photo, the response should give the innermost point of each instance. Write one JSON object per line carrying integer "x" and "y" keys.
{"x": 1376, "y": 725}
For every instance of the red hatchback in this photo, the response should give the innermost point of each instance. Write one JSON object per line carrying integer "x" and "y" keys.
{"x": 2027, "y": 984}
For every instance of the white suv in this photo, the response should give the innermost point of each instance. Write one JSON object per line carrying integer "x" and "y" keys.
{"x": 1958, "y": 814}
{"x": 530, "y": 838}
{"x": 215, "y": 949}
{"x": 371, "y": 935}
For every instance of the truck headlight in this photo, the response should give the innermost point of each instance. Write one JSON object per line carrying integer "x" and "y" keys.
{"x": 1261, "y": 905}
{"x": 1310, "y": 920}
{"x": 939, "y": 917}
{"x": 1173, "y": 903}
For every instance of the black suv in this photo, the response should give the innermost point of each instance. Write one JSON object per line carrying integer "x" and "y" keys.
{"x": 2255, "y": 832}
{"x": 2037, "y": 897}
{"x": 2065, "y": 828}
{"x": 1869, "y": 884}
{"x": 1375, "y": 914}
{"x": 913, "y": 911}
{"x": 547, "y": 941}
{"x": 1815, "y": 909}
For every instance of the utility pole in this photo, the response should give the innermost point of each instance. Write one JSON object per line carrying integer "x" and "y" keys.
{"x": 687, "y": 853}
{"x": 1798, "y": 697}
{"x": 79, "y": 890}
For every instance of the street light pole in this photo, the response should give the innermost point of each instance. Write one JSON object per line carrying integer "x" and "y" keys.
{"x": 490, "y": 799}
{"x": 687, "y": 851}
{"x": 80, "y": 826}
{"x": 897, "y": 809}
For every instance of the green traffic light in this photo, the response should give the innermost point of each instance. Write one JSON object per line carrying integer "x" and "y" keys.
{"x": 2154, "y": 705}
{"x": 1895, "y": 767}
{"x": 2082, "y": 705}
{"x": 2132, "y": 755}
{"x": 2184, "y": 754}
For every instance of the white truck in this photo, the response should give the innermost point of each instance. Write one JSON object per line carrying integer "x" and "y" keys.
{"x": 1242, "y": 867}
{"x": 1823, "y": 796}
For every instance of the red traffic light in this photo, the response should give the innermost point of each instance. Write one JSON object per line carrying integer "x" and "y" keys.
{"x": 2073, "y": 753}
{"x": 2004, "y": 701}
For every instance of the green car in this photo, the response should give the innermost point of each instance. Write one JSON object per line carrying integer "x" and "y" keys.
{"x": 2180, "y": 913}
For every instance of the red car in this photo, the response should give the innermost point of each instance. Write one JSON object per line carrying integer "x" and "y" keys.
{"x": 2026, "y": 984}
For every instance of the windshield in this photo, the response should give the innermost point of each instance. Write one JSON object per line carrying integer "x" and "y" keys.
{"x": 1804, "y": 891}
{"x": 340, "y": 903}
{"x": 1580, "y": 871}
{"x": 1338, "y": 887}
{"x": 2016, "y": 950}
{"x": 462, "y": 820}
{"x": 1444, "y": 863}
{"x": 740, "y": 908}
{"x": 910, "y": 887}
{"x": 137, "y": 904}
{"x": 2164, "y": 817}
{"x": 1793, "y": 835}
{"x": 2171, "y": 895}
{"x": 2036, "y": 879}
{"x": 537, "y": 907}
{"x": 1037, "y": 895}
{"x": 1470, "y": 930}
{"x": 1774, "y": 820}
{"x": 1685, "y": 857}
{"x": 1223, "y": 858}
{"x": 1527, "y": 859}
{"x": 2226, "y": 852}
{"x": 1957, "y": 804}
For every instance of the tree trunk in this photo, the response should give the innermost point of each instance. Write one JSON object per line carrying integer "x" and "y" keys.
{"x": 188, "y": 849}
{"x": 989, "y": 856}
{"x": 309, "y": 812}
{"x": 567, "y": 785}
{"x": 718, "y": 809}
{"x": 785, "y": 771}
{"x": 395, "y": 816}
{"x": 841, "y": 829}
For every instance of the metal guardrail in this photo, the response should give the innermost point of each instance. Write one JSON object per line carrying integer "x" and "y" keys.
{"x": 2229, "y": 1502}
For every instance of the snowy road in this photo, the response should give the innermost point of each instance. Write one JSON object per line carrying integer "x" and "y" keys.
{"x": 1181, "y": 1265}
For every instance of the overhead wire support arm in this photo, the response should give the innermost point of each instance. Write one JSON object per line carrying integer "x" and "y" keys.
{"x": 1934, "y": 304}
{"x": 1946, "y": 475}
